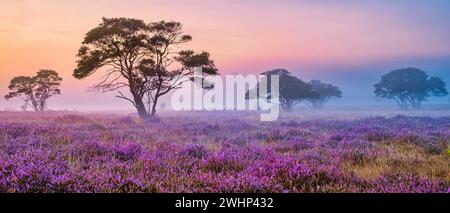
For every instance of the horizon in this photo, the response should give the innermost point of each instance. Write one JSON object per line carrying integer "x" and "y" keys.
{"x": 339, "y": 43}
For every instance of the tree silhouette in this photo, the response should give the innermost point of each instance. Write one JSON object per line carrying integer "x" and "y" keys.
{"x": 409, "y": 86}
{"x": 36, "y": 90}
{"x": 292, "y": 89}
{"x": 321, "y": 93}
{"x": 144, "y": 58}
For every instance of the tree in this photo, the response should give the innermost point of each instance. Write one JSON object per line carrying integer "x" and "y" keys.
{"x": 36, "y": 90}
{"x": 144, "y": 58}
{"x": 292, "y": 89}
{"x": 321, "y": 93}
{"x": 409, "y": 86}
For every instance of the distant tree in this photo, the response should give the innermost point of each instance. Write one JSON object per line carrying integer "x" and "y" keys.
{"x": 292, "y": 89}
{"x": 321, "y": 93}
{"x": 144, "y": 58}
{"x": 36, "y": 90}
{"x": 409, "y": 86}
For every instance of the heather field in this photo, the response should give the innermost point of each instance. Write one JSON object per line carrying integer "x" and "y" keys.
{"x": 76, "y": 152}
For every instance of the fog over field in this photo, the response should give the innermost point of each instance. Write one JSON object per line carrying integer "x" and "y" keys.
{"x": 356, "y": 83}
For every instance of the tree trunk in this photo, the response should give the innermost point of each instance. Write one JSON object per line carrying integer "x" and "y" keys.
{"x": 140, "y": 106}
{"x": 317, "y": 105}
{"x": 36, "y": 107}
{"x": 288, "y": 107}
{"x": 153, "y": 112}
{"x": 42, "y": 106}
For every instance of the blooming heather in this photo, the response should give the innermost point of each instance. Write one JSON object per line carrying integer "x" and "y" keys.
{"x": 113, "y": 153}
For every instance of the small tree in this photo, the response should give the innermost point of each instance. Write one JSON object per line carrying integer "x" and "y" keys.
{"x": 292, "y": 89}
{"x": 36, "y": 90}
{"x": 409, "y": 86}
{"x": 144, "y": 58}
{"x": 321, "y": 93}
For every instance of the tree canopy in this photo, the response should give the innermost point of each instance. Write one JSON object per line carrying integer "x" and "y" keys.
{"x": 409, "y": 86}
{"x": 35, "y": 90}
{"x": 321, "y": 93}
{"x": 292, "y": 89}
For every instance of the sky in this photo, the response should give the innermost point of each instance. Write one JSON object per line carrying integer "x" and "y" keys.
{"x": 350, "y": 43}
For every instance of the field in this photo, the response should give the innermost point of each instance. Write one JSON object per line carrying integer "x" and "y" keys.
{"x": 201, "y": 152}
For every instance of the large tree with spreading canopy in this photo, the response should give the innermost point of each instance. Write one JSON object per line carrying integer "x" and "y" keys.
{"x": 146, "y": 59}
{"x": 409, "y": 86}
{"x": 35, "y": 90}
{"x": 292, "y": 90}
{"x": 321, "y": 93}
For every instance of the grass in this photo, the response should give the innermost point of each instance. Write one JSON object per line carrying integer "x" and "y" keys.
{"x": 403, "y": 158}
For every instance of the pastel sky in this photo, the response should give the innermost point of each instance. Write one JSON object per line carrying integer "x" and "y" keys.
{"x": 314, "y": 39}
